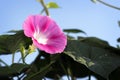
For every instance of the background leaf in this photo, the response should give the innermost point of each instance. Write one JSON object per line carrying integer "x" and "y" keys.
{"x": 73, "y": 31}
{"x": 52, "y": 5}
{"x": 119, "y": 23}
{"x": 39, "y": 67}
{"x": 94, "y": 41}
{"x": 94, "y": 1}
{"x": 13, "y": 70}
{"x": 11, "y": 43}
{"x": 118, "y": 40}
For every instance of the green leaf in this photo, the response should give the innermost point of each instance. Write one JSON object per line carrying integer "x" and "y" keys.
{"x": 73, "y": 31}
{"x": 61, "y": 66}
{"x": 115, "y": 74}
{"x": 70, "y": 37}
{"x": 118, "y": 40}
{"x": 52, "y": 5}
{"x": 11, "y": 43}
{"x": 19, "y": 67}
{"x": 13, "y": 70}
{"x": 3, "y": 45}
{"x": 98, "y": 59}
{"x": 93, "y": 41}
{"x": 39, "y": 67}
{"x": 39, "y": 74}
{"x": 13, "y": 31}
{"x": 119, "y": 23}
{"x": 94, "y": 1}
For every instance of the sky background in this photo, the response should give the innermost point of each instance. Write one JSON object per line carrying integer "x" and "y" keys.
{"x": 95, "y": 19}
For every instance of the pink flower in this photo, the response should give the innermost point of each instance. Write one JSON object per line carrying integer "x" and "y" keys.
{"x": 45, "y": 33}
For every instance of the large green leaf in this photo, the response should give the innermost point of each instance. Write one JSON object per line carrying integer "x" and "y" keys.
{"x": 11, "y": 43}
{"x": 13, "y": 70}
{"x": 115, "y": 75}
{"x": 97, "y": 58}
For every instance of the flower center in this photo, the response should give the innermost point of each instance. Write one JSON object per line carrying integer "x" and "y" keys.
{"x": 41, "y": 38}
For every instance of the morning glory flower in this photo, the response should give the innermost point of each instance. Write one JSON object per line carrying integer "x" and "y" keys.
{"x": 45, "y": 34}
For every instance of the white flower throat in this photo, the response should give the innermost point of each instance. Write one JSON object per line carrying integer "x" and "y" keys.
{"x": 41, "y": 38}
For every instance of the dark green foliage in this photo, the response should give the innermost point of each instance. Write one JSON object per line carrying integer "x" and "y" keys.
{"x": 39, "y": 67}
{"x": 119, "y": 23}
{"x": 13, "y": 70}
{"x": 115, "y": 75}
{"x": 98, "y": 59}
{"x": 82, "y": 57}
{"x": 11, "y": 43}
{"x": 118, "y": 40}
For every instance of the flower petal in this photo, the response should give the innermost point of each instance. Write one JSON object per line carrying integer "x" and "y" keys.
{"x": 55, "y": 45}
{"x": 28, "y": 26}
{"x": 45, "y": 33}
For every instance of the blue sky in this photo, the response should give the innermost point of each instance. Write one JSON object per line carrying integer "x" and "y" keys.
{"x": 95, "y": 19}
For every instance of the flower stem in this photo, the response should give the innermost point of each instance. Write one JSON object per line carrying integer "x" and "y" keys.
{"x": 45, "y": 8}
{"x": 3, "y": 62}
{"x": 109, "y": 5}
{"x": 13, "y": 56}
{"x": 61, "y": 64}
{"x": 89, "y": 77}
{"x": 70, "y": 73}
{"x": 22, "y": 57}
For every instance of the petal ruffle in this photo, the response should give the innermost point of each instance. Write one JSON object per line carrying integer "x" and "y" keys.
{"x": 28, "y": 26}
